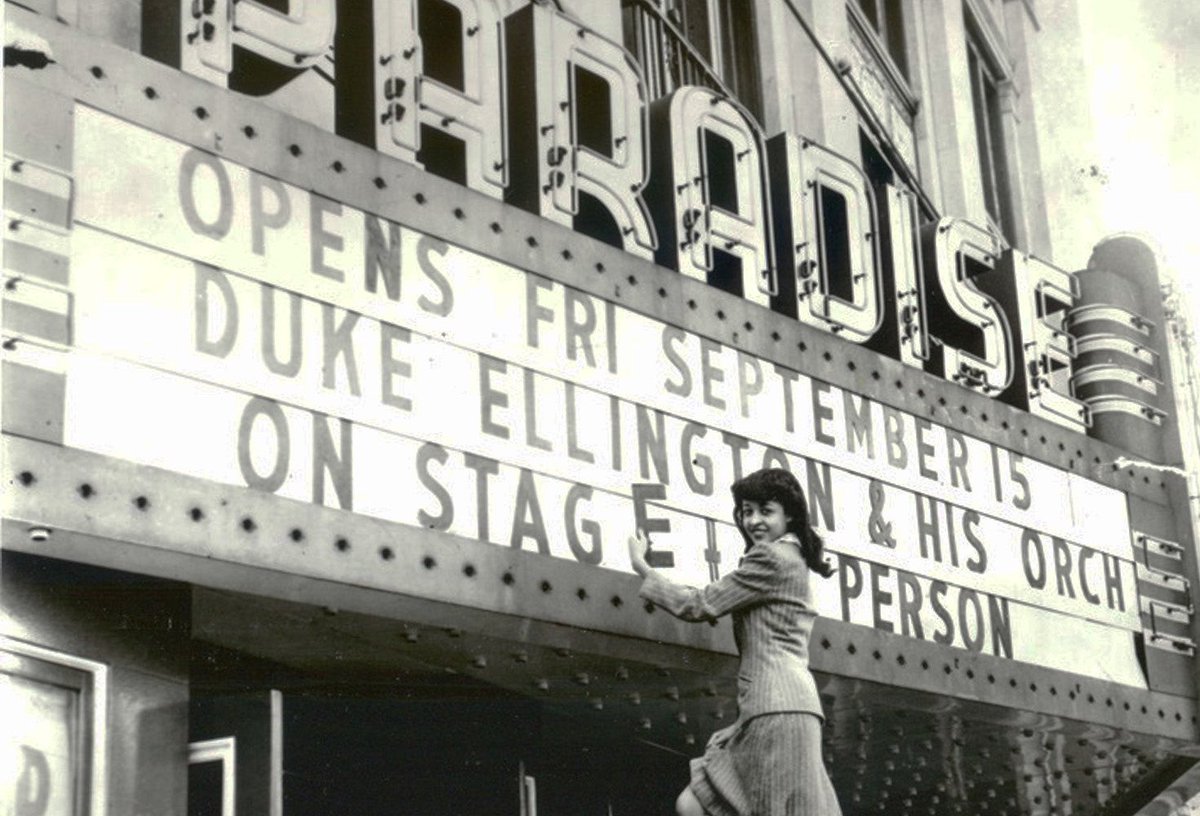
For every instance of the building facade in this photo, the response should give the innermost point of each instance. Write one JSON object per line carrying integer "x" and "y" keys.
{"x": 325, "y": 425}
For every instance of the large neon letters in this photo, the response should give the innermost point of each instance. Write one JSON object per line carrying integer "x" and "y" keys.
{"x": 542, "y": 112}
{"x": 577, "y": 115}
{"x": 297, "y": 38}
{"x": 709, "y": 190}
{"x": 1037, "y": 296}
{"x": 905, "y": 331}
{"x": 828, "y": 215}
{"x": 439, "y": 69}
{"x": 960, "y": 252}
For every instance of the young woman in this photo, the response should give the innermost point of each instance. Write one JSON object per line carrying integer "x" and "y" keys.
{"x": 768, "y": 763}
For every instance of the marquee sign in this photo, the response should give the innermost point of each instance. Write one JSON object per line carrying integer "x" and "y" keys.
{"x": 540, "y": 110}
{"x": 295, "y": 345}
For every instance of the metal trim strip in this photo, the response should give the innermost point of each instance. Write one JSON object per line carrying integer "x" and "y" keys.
{"x": 37, "y": 205}
{"x": 1119, "y": 344}
{"x": 1110, "y": 403}
{"x": 1167, "y": 549}
{"x": 1101, "y": 373}
{"x": 1166, "y": 580}
{"x": 1104, "y": 311}
{"x": 33, "y": 261}
{"x": 1171, "y": 643}
{"x": 34, "y": 321}
{"x": 1171, "y": 611}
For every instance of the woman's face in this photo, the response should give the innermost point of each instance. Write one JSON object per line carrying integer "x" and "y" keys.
{"x": 764, "y": 521}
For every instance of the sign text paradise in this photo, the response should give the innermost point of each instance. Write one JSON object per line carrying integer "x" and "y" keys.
{"x": 539, "y": 110}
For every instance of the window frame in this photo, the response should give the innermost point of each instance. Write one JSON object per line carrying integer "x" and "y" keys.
{"x": 710, "y": 32}
{"x": 884, "y": 39}
{"x": 224, "y": 751}
{"x": 90, "y": 679}
{"x": 902, "y": 110}
{"x": 989, "y": 80}
{"x": 901, "y": 85}
{"x": 734, "y": 49}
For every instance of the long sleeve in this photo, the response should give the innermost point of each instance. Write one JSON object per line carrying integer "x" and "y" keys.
{"x": 755, "y": 580}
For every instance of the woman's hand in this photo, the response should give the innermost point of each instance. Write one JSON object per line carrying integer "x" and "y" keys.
{"x": 637, "y": 553}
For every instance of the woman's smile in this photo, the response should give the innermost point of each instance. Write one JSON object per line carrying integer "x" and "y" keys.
{"x": 763, "y": 521}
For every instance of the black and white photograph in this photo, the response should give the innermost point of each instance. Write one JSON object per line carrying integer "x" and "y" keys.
{"x": 336, "y": 481}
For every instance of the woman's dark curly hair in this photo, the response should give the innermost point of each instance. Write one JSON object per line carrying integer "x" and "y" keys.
{"x": 777, "y": 484}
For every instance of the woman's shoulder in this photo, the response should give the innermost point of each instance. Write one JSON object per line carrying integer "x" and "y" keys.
{"x": 786, "y": 548}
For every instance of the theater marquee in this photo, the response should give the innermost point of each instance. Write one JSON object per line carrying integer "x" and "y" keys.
{"x": 539, "y": 110}
{"x": 286, "y": 342}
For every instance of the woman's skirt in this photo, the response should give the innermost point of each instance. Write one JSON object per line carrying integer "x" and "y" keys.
{"x": 766, "y": 766}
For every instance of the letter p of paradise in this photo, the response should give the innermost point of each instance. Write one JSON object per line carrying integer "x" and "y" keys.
{"x": 643, "y": 494}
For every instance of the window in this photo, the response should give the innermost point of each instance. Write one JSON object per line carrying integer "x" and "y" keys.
{"x": 732, "y": 50}
{"x": 989, "y": 135}
{"x": 212, "y": 786}
{"x": 879, "y": 60}
{"x": 886, "y": 17}
{"x": 695, "y": 42}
